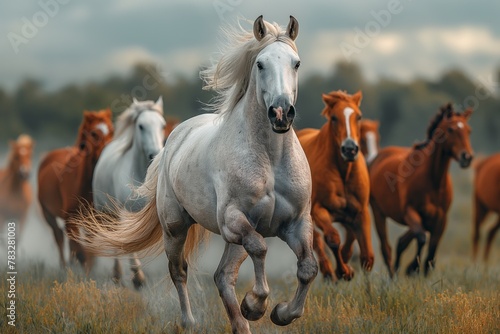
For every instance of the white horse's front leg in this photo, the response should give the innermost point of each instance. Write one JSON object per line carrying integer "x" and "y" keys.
{"x": 300, "y": 240}
{"x": 238, "y": 230}
{"x": 225, "y": 278}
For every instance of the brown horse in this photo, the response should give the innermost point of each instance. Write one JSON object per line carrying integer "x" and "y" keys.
{"x": 172, "y": 122}
{"x": 486, "y": 199}
{"x": 15, "y": 189}
{"x": 370, "y": 139}
{"x": 413, "y": 187}
{"x": 340, "y": 183}
{"x": 65, "y": 179}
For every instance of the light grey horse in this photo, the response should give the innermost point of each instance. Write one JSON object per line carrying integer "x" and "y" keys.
{"x": 123, "y": 164}
{"x": 240, "y": 173}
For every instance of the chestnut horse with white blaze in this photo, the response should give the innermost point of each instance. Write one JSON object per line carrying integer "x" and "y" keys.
{"x": 412, "y": 186}
{"x": 486, "y": 199}
{"x": 240, "y": 173}
{"x": 370, "y": 139}
{"x": 341, "y": 187}
{"x": 65, "y": 180}
{"x": 15, "y": 189}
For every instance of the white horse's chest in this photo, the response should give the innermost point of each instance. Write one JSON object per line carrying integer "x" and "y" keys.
{"x": 284, "y": 200}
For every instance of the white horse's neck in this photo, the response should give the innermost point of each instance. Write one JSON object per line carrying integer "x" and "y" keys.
{"x": 139, "y": 160}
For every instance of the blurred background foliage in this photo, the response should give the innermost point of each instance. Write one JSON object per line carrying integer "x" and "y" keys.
{"x": 403, "y": 108}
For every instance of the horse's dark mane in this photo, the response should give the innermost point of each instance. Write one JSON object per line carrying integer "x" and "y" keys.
{"x": 444, "y": 111}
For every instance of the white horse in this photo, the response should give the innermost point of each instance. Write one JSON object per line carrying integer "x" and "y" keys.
{"x": 240, "y": 173}
{"x": 123, "y": 165}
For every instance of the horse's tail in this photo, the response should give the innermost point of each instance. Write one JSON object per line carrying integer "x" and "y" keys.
{"x": 121, "y": 232}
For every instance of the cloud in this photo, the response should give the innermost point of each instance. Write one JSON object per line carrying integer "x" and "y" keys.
{"x": 424, "y": 52}
{"x": 93, "y": 38}
{"x": 466, "y": 40}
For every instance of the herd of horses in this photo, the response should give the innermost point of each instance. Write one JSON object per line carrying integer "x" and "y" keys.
{"x": 244, "y": 173}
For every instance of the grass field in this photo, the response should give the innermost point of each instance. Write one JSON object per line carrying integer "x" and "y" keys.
{"x": 460, "y": 296}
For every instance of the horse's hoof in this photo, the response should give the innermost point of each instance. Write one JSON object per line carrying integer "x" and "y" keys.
{"x": 412, "y": 270}
{"x": 346, "y": 274}
{"x": 139, "y": 280}
{"x": 275, "y": 318}
{"x": 328, "y": 277}
{"x": 254, "y": 312}
{"x": 139, "y": 283}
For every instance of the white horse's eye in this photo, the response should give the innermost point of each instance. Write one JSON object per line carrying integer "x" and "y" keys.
{"x": 297, "y": 65}
{"x": 259, "y": 65}
{"x": 141, "y": 127}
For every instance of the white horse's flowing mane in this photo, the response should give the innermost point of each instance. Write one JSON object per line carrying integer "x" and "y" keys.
{"x": 124, "y": 133}
{"x": 230, "y": 75}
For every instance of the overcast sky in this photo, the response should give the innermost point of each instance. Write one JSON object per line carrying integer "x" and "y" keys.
{"x": 89, "y": 40}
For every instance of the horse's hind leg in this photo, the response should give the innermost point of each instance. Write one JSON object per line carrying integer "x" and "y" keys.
{"x": 385, "y": 247}
{"x": 362, "y": 232}
{"x": 174, "y": 241}
{"x": 117, "y": 272}
{"x": 324, "y": 263}
{"x": 480, "y": 213}
{"x": 76, "y": 249}
{"x": 436, "y": 235}
{"x": 299, "y": 238}
{"x": 236, "y": 229}
{"x": 403, "y": 243}
{"x": 58, "y": 235}
{"x": 225, "y": 278}
{"x": 491, "y": 236}
{"x": 138, "y": 278}
{"x": 414, "y": 222}
{"x": 348, "y": 247}
{"x": 323, "y": 221}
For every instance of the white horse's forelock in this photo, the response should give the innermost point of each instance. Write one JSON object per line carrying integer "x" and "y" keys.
{"x": 125, "y": 124}
{"x": 230, "y": 75}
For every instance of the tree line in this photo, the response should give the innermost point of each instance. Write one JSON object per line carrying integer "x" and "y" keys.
{"x": 403, "y": 108}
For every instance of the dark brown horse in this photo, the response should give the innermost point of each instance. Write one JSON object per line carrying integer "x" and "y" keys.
{"x": 65, "y": 179}
{"x": 413, "y": 187}
{"x": 340, "y": 188}
{"x": 486, "y": 199}
{"x": 15, "y": 189}
{"x": 370, "y": 139}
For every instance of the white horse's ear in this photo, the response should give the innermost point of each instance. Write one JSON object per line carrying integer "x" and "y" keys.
{"x": 259, "y": 28}
{"x": 293, "y": 28}
{"x": 159, "y": 102}
{"x": 135, "y": 100}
